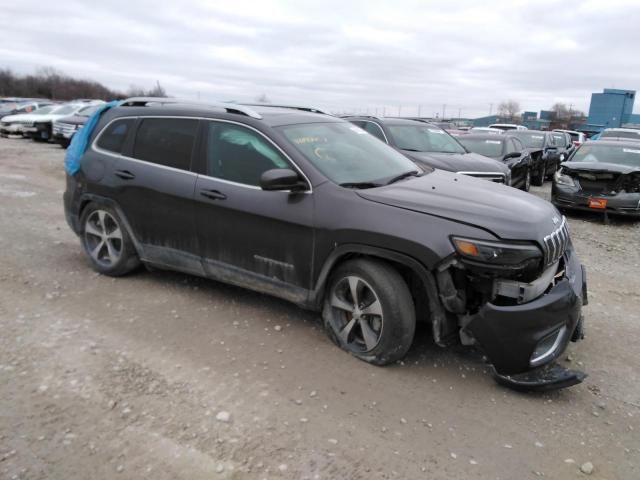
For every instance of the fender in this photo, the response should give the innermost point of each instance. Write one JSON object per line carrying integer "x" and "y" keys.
{"x": 85, "y": 198}
{"x": 438, "y": 314}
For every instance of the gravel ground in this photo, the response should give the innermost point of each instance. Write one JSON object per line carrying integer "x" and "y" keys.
{"x": 165, "y": 376}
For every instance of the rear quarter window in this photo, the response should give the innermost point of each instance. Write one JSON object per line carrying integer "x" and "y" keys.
{"x": 112, "y": 138}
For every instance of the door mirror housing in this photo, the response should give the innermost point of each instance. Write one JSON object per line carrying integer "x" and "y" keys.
{"x": 282, "y": 179}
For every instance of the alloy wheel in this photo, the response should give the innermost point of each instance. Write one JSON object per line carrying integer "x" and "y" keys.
{"x": 103, "y": 238}
{"x": 356, "y": 314}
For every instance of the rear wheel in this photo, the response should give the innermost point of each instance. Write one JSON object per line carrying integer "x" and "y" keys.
{"x": 369, "y": 312}
{"x": 106, "y": 241}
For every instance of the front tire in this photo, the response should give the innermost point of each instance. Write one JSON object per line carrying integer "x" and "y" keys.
{"x": 107, "y": 242}
{"x": 369, "y": 312}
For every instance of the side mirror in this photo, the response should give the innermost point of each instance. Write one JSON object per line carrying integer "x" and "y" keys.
{"x": 281, "y": 179}
{"x": 512, "y": 155}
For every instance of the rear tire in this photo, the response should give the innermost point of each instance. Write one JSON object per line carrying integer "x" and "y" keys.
{"x": 369, "y": 312}
{"x": 107, "y": 242}
{"x": 538, "y": 179}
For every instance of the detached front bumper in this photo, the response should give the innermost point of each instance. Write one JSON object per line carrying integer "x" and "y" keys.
{"x": 626, "y": 204}
{"x": 524, "y": 339}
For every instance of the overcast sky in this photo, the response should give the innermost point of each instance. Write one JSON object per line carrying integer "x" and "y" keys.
{"x": 341, "y": 55}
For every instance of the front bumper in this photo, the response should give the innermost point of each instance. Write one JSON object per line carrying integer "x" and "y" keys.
{"x": 627, "y": 204}
{"x": 510, "y": 335}
{"x": 11, "y": 129}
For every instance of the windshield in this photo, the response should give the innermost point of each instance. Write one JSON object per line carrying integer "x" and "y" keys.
{"x": 560, "y": 140}
{"x": 45, "y": 110}
{"x": 424, "y": 138}
{"x": 8, "y": 107}
{"x": 486, "y": 147}
{"x": 619, "y": 154}
{"x": 620, "y": 134}
{"x": 88, "y": 111}
{"x": 65, "y": 110}
{"x": 530, "y": 139}
{"x": 345, "y": 153}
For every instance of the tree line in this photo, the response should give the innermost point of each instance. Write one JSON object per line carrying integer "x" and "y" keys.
{"x": 55, "y": 85}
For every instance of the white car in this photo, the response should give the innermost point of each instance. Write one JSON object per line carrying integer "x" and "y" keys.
{"x": 38, "y": 124}
{"x": 578, "y": 138}
{"x": 508, "y": 126}
{"x": 490, "y": 130}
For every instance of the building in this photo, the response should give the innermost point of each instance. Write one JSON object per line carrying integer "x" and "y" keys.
{"x": 611, "y": 109}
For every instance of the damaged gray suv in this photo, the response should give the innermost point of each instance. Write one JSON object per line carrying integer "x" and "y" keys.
{"x": 305, "y": 206}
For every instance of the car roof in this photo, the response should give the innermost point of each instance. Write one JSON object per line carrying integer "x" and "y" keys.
{"x": 634, "y": 130}
{"x": 624, "y": 142}
{"x": 388, "y": 120}
{"x": 265, "y": 114}
{"x": 484, "y": 136}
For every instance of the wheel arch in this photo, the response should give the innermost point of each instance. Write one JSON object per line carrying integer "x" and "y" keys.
{"x": 419, "y": 278}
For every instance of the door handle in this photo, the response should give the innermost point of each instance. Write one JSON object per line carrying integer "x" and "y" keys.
{"x": 125, "y": 174}
{"x": 213, "y": 194}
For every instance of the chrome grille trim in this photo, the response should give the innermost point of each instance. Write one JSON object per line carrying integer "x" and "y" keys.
{"x": 556, "y": 243}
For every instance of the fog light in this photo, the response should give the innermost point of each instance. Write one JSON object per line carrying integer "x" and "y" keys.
{"x": 547, "y": 347}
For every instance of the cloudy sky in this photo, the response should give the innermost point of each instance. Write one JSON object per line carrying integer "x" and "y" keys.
{"x": 369, "y": 55}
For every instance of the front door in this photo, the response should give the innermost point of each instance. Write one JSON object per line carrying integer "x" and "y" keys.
{"x": 251, "y": 237}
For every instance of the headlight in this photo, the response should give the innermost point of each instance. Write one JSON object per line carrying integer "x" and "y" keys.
{"x": 496, "y": 253}
{"x": 562, "y": 179}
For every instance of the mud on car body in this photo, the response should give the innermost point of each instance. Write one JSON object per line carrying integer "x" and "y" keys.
{"x": 308, "y": 207}
{"x": 601, "y": 176}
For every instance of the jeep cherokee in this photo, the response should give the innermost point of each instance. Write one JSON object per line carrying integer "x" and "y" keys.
{"x": 308, "y": 207}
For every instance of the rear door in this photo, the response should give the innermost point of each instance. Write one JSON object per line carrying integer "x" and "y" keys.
{"x": 154, "y": 187}
{"x": 251, "y": 237}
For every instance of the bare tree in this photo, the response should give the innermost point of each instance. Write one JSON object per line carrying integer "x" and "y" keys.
{"x": 561, "y": 110}
{"x": 157, "y": 91}
{"x": 135, "y": 91}
{"x": 262, "y": 98}
{"x": 509, "y": 109}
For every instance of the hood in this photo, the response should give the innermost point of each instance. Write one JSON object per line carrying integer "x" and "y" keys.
{"x": 73, "y": 120}
{"x": 457, "y": 162}
{"x": 508, "y": 213}
{"x": 19, "y": 117}
{"x": 600, "y": 167}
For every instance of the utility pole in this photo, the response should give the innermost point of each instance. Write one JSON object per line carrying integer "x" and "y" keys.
{"x": 459, "y": 113}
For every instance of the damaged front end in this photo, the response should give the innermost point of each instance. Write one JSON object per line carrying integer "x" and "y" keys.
{"x": 613, "y": 190}
{"x": 520, "y": 303}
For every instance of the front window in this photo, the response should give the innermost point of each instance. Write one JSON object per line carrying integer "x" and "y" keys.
{"x": 88, "y": 111}
{"x": 65, "y": 110}
{"x": 618, "y": 154}
{"x": 486, "y": 147}
{"x": 560, "y": 140}
{"x": 346, "y": 154}
{"x": 424, "y": 138}
{"x": 529, "y": 139}
{"x": 44, "y": 111}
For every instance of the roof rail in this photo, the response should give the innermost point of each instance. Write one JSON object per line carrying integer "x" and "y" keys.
{"x": 229, "y": 107}
{"x": 361, "y": 116}
{"x": 302, "y": 108}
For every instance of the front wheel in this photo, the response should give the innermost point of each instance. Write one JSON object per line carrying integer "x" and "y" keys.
{"x": 106, "y": 242}
{"x": 369, "y": 312}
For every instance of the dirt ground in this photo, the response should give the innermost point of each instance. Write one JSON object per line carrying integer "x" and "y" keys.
{"x": 166, "y": 376}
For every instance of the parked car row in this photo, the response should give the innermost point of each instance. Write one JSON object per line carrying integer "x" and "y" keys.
{"x": 42, "y": 121}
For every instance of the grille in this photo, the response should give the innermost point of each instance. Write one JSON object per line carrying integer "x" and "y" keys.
{"x": 556, "y": 243}
{"x": 63, "y": 128}
{"x": 24, "y": 123}
{"x": 496, "y": 177}
{"x": 597, "y": 183}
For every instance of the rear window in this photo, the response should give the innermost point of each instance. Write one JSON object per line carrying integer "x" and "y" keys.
{"x": 112, "y": 138}
{"x": 486, "y": 147}
{"x": 166, "y": 141}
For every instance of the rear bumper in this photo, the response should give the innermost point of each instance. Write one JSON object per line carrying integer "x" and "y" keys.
{"x": 521, "y": 339}
{"x": 627, "y": 204}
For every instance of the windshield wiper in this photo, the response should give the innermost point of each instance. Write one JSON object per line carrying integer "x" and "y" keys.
{"x": 359, "y": 185}
{"x": 411, "y": 173}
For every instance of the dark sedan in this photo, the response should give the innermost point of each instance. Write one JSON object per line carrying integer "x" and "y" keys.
{"x": 545, "y": 155}
{"x": 430, "y": 146}
{"x": 601, "y": 176}
{"x": 504, "y": 148}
